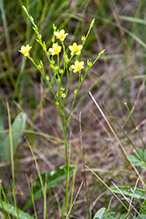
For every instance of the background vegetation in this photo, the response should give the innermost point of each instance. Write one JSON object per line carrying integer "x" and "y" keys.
{"x": 117, "y": 78}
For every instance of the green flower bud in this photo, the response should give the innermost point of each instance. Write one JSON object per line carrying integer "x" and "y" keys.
{"x": 75, "y": 91}
{"x": 47, "y": 78}
{"x": 58, "y": 80}
{"x": 39, "y": 66}
{"x": 61, "y": 71}
{"x": 89, "y": 64}
{"x": 55, "y": 69}
{"x": 54, "y": 27}
{"x": 83, "y": 38}
{"x": 70, "y": 69}
{"x": 65, "y": 57}
{"x": 62, "y": 89}
{"x": 57, "y": 104}
{"x": 52, "y": 62}
{"x": 44, "y": 46}
{"x": 92, "y": 23}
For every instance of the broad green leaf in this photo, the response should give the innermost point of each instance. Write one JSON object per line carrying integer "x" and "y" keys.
{"x": 17, "y": 129}
{"x": 136, "y": 161}
{"x": 123, "y": 217}
{"x": 53, "y": 178}
{"x": 10, "y": 209}
{"x": 127, "y": 190}
{"x": 144, "y": 154}
{"x": 99, "y": 213}
{"x": 108, "y": 217}
{"x": 143, "y": 216}
{"x": 140, "y": 154}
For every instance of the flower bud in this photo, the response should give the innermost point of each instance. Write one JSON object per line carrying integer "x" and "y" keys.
{"x": 61, "y": 71}
{"x": 57, "y": 104}
{"x": 47, "y": 78}
{"x": 75, "y": 91}
{"x": 89, "y": 64}
{"x": 65, "y": 57}
{"x": 83, "y": 38}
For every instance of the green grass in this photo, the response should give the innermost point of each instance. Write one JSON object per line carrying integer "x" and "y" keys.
{"x": 117, "y": 78}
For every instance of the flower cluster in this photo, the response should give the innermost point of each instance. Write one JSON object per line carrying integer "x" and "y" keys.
{"x": 61, "y": 93}
{"x": 75, "y": 50}
{"x": 56, "y": 49}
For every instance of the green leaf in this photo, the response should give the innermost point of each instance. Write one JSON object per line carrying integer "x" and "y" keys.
{"x": 99, "y": 213}
{"x": 123, "y": 217}
{"x": 136, "y": 161}
{"x": 131, "y": 192}
{"x": 140, "y": 154}
{"x": 144, "y": 154}
{"x": 142, "y": 210}
{"x": 10, "y": 209}
{"x": 143, "y": 216}
{"x": 17, "y": 129}
{"x": 132, "y": 19}
{"x": 53, "y": 178}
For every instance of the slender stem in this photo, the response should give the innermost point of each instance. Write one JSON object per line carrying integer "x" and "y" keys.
{"x": 12, "y": 161}
{"x": 67, "y": 168}
{"x": 64, "y": 126}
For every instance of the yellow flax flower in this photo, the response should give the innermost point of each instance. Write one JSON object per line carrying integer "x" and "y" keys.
{"x": 75, "y": 49}
{"x": 25, "y": 49}
{"x": 55, "y": 50}
{"x": 77, "y": 66}
{"x": 61, "y": 35}
{"x": 63, "y": 95}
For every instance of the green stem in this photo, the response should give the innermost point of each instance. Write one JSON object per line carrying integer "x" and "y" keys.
{"x": 67, "y": 168}
{"x": 64, "y": 127}
{"x": 12, "y": 160}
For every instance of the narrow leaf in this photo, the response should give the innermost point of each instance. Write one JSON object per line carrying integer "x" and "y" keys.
{"x": 127, "y": 190}
{"x": 142, "y": 211}
{"x": 53, "y": 178}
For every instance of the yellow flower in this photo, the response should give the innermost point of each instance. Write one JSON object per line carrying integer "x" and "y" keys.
{"x": 61, "y": 35}
{"x": 55, "y": 50}
{"x": 75, "y": 49}
{"x": 25, "y": 49}
{"x": 63, "y": 95}
{"x": 77, "y": 66}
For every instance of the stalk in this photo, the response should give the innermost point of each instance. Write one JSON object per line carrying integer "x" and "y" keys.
{"x": 12, "y": 161}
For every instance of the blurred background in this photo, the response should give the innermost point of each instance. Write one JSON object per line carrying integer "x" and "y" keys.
{"x": 117, "y": 78}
